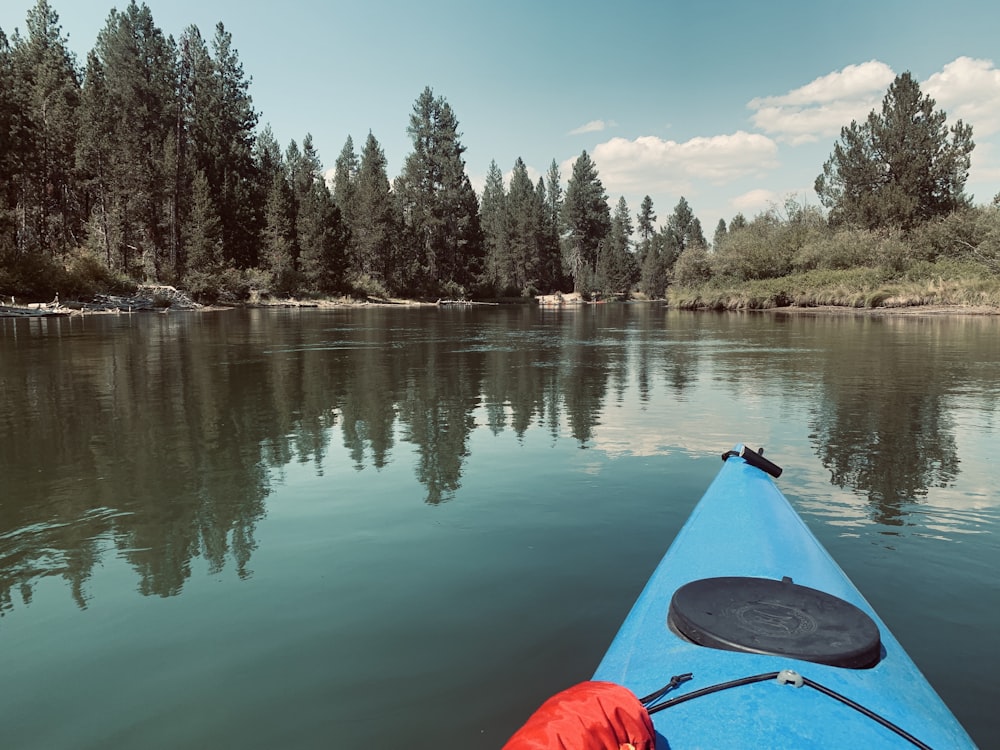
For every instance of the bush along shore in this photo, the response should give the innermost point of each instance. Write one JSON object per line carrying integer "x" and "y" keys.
{"x": 953, "y": 285}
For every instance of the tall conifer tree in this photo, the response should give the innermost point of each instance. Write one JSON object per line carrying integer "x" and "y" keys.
{"x": 375, "y": 221}
{"x": 345, "y": 180}
{"x": 493, "y": 215}
{"x": 900, "y": 167}
{"x": 131, "y": 111}
{"x": 439, "y": 206}
{"x": 524, "y": 231}
{"x": 588, "y": 220}
{"x": 46, "y": 97}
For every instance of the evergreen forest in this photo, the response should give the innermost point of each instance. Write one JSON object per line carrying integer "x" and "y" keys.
{"x": 148, "y": 163}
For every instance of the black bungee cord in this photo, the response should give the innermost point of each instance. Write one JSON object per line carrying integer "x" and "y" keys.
{"x": 784, "y": 676}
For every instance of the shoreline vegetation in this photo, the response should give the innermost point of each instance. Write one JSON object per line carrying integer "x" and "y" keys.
{"x": 933, "y": 299}
{"x": 146, "y": 170}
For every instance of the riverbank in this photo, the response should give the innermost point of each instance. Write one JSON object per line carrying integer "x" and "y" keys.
{"x": 162, "y": 299}
{"x": 56, "y": 309}
{"x": 913, "y": 310}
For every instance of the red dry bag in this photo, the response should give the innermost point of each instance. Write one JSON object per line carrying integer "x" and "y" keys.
{"x": 588, "y": 716}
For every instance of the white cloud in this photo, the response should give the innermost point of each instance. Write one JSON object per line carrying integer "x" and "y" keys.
{"x": 755, "y": 201}
{"x": 649, "y": 164}
{"x": 969, "y": 90}
{"x": 594, "y": 126}
{"x": 822, "y": 107}
{"x": 852, "y": 83}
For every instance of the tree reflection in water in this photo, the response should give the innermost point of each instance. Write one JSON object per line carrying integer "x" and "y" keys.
{"x": 159, "y": 437}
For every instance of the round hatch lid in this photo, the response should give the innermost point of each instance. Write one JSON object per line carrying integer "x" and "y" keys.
{"x": 765, "y": 616}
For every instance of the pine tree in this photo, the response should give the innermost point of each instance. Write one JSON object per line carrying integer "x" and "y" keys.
{"x": 617, "y": 269}
{"x": 236, "y": 123}
{"x": 204, "y": 242}
{"x": 720, "y": 233}
{"x": 8, "y": 185}
{"x": 46, "y": 98}
{"x": 554, "y": 197}
{"x": 588, "y": 219}
{"x": 268, "y": 159}
{"x": 278, "y": 247}
{"x": 129, "y": 104}
{"x": 550, "y": 274}
{"x": 646, "y": 218}
{"x": 653, "y": 271}
{"x": 439, "y": 207}
{"x": 493, "y": 218}
{"x": 898, "y": 168}
{"x": 322, "y": 238}
{"x": 524, "y": 232}
{"x": 320, "y": 246}
{"x": 553, "y": 203}
{"x": 684, "y": 228}
{"x": 375, "y": 222}
{"x": 345, "y": 181}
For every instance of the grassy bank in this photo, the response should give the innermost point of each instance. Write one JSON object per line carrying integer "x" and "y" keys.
{"x": 945, "y": 283}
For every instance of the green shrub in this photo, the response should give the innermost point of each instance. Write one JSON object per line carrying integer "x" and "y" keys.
{"x": 693, "y": 267}
{"x": 366, "y": 285}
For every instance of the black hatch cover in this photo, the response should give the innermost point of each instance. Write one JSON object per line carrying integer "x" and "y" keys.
{"x": 766, "y": 616}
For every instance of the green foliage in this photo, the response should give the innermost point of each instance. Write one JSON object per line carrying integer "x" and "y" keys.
{"x": 86, "y": 275}
{"x": 898, "y": 168}
{"x": 373, "y": 223}
{"x": 550, "y": 195}
{"x": 720, "y": 233}
{"x": 323, "y": 241}
{"x": 345, "y": 181}
{"x": 693, "y": 266}
{"x": 756, "y": 252}
{"x": 769, "y": 246}
{"x": 587, "y": 217}
{"x": 278, "y": 246}
{"x": 524, "y": 222}
{"x": 617, "y": 268}
{"x": 653, "y": 274}
{"x": 204, "y": 231}
{"x": 493, "y": 219}
{"x": 367, "y": 286}
{"x": 683, "y": 228}
{"x": 646, "y": 218}
{"x": 43, "y": 126}
{"x": 852, "y": 248}
{"x": 229, "y": 152}
{"x": 437, "y": 203}
{"x": 972, "y": 233}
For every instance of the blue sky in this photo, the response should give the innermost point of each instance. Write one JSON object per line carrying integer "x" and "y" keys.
{"x": 733, "y": 105}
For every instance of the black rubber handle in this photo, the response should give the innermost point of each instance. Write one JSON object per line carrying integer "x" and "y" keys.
{"x": 755, "y": 459}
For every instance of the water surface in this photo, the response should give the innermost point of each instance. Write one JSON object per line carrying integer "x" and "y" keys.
{"x": 407, "y": 527}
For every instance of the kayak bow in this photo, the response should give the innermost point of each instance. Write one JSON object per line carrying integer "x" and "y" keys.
{"x": 748, "y": 634}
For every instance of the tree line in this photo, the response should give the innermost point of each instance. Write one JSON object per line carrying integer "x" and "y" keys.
{"x": 148, "y": 163}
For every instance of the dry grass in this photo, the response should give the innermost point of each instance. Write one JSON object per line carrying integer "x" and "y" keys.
{"x": 945, "y": 284}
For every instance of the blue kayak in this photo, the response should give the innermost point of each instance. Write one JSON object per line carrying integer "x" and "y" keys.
{"x": 749, "y": 635}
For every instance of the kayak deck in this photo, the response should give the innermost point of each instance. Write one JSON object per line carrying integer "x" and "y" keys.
{"x": 743, "y": 526}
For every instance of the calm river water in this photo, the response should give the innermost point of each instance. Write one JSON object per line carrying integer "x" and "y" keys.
{"x": 389, "y": 528}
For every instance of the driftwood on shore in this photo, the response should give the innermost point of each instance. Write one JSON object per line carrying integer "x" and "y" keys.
{"x": 147, "y": 298}
{"x": 465, "y": 302}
